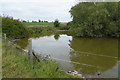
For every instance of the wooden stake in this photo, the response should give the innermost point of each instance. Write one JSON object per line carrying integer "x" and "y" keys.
{"x": 5, "y": 38}
{"x": 30, "y": 51}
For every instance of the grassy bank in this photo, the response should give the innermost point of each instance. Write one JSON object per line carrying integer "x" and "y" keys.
{"x": 16, "y": 65}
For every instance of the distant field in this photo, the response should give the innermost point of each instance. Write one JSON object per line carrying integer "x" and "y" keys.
{"x": 38, "y": 23}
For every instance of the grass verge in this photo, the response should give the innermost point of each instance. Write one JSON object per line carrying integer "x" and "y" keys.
{"x": 16, "y": 65}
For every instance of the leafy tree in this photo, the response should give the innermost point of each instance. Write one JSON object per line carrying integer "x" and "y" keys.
{"x": 56, "y": 23}
{"x": 39, "y": 20}
{"x": 90, "y": 19}
{"x": 24, "y": 21}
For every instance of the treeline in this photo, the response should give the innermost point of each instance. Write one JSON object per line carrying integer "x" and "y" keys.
{"x": 96, "y": 19}
{"x": 35, "y": 21}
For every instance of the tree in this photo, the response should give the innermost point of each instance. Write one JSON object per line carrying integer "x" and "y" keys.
{"x": 24, "y": 21}
{"x": 91, "y": 19}
{"x": 56, "y": 23}
{"x": 39, "y": 20}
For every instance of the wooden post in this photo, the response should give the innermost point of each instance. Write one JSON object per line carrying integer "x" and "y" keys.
{"x": 30, "y": 51}
{"x": 5, "y": 38}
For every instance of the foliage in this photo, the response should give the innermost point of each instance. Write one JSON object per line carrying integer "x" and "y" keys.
{"x": 16, "y": 65}
{"x": 69, "y": 23}
{"x": 90, "y": 19}
{"x": 56, "y": 23}
{"x": 64, "y": 27}
{"x": 24, "y": 21}
{"x": 13, "y": 28}
{"x": 35, "y": 30}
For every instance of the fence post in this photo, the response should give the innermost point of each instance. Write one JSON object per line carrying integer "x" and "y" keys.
{"x": 5, "y": 38}
{"x": 30, "y": 50}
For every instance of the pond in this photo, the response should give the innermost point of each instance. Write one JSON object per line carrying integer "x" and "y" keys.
{"x": 86, "y": 55}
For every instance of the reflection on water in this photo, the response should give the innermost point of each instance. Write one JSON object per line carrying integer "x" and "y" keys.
{"x": 56, "y": 36}
{"x": 86, "y": 55}
{"x": 100, "y": 52}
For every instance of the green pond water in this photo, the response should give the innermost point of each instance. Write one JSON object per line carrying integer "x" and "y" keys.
{"x": 86, "y": 55}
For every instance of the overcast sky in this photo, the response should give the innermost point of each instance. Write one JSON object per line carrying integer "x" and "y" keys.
{"x": 38, "y": 9}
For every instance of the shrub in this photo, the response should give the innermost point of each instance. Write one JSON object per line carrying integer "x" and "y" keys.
{"x": 64, "y": 27}
{"x": 35, "y": 30}
{"x": 13, "y": 28}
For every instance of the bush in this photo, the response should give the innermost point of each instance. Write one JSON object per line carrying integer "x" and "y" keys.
{"x": 69, "y": 23}
{"x": 35, "y": 30}
{"x": 13, "y": 28}
{"x": 64, "y": 27}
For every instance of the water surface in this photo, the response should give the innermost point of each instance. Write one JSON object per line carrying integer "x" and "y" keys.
{"x": 86, "y": 55}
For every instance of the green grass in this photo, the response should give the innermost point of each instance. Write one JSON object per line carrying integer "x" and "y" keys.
{"x": 16, "y": 65}
{"x": 38, "y": 23}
